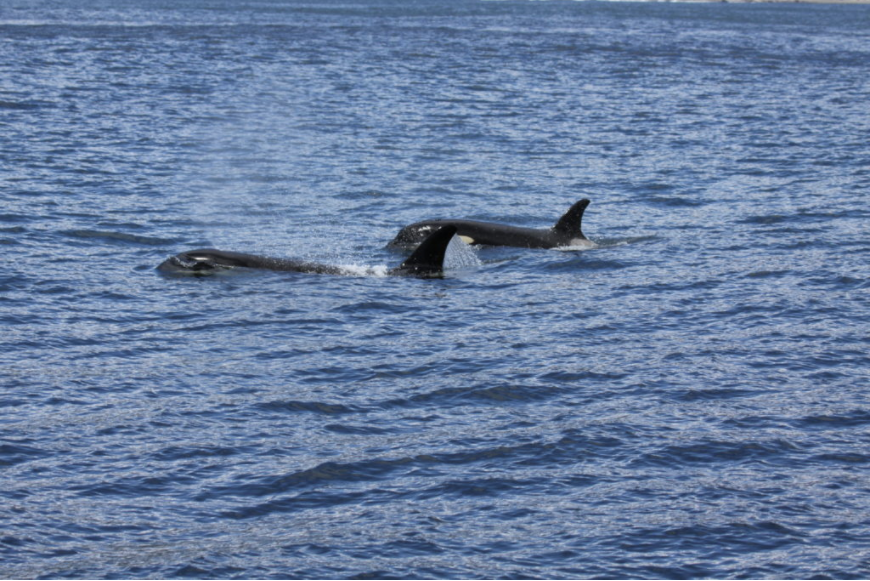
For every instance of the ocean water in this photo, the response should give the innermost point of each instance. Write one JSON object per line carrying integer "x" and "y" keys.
{"x": 688, "y": 399}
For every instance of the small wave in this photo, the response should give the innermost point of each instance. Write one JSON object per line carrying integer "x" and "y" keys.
{"x": 482, "y": 394}
{"x": 768, "y": 274}
{"x": 14, "y": 218}
{"x": 675, "y": 202}
{"x": 316, "y": 407}
{"x": 119, "y": 237}
{"x": 479, "y": 487}
{"x": 844, "y": 458}
{"x": 11, "y": 454}
{"x": 177, "y": 452}
{"x": 713, "y": 394}
{"x": 371, "y": 307}
{"x": 18, "y": 105}
{"x": 712, "y": 452}
{"x": 357, "y": 430}
{"x": 581, "y": 262}
{"x": 764, "y": 220}
{"x": 833, "y": 421}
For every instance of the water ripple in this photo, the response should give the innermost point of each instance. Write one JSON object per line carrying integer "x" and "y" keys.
{"x": 684, "y": 398}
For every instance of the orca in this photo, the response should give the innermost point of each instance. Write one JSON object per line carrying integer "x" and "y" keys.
{"x": 566, "y": 232}
{"x": 427, "y": 261}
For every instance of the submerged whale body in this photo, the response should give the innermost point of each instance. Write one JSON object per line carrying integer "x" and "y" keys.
{"x": 566, "y": 232}
{"x": 427, "y": 261}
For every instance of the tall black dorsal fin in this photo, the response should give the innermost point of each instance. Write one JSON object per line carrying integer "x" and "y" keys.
{"x": 428, "y": 259}
{"x": 570, "y": 222}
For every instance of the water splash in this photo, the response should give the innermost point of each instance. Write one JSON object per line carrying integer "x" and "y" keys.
{"x": 363, "y": 270}
{"x": 460, "y": 255}
{"x": 578, "y": 245}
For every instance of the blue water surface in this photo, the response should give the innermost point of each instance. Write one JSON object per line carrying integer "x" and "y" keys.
{"x": 686, "y": 400}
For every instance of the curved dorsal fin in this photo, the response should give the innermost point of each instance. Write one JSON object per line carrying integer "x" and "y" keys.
{"x": 570, "y": 222}
{"x": 428, "y": 258}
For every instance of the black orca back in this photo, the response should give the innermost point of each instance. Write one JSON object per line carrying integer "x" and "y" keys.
{"x": 427, "y": 261}
{"x": 567, "y": 229}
